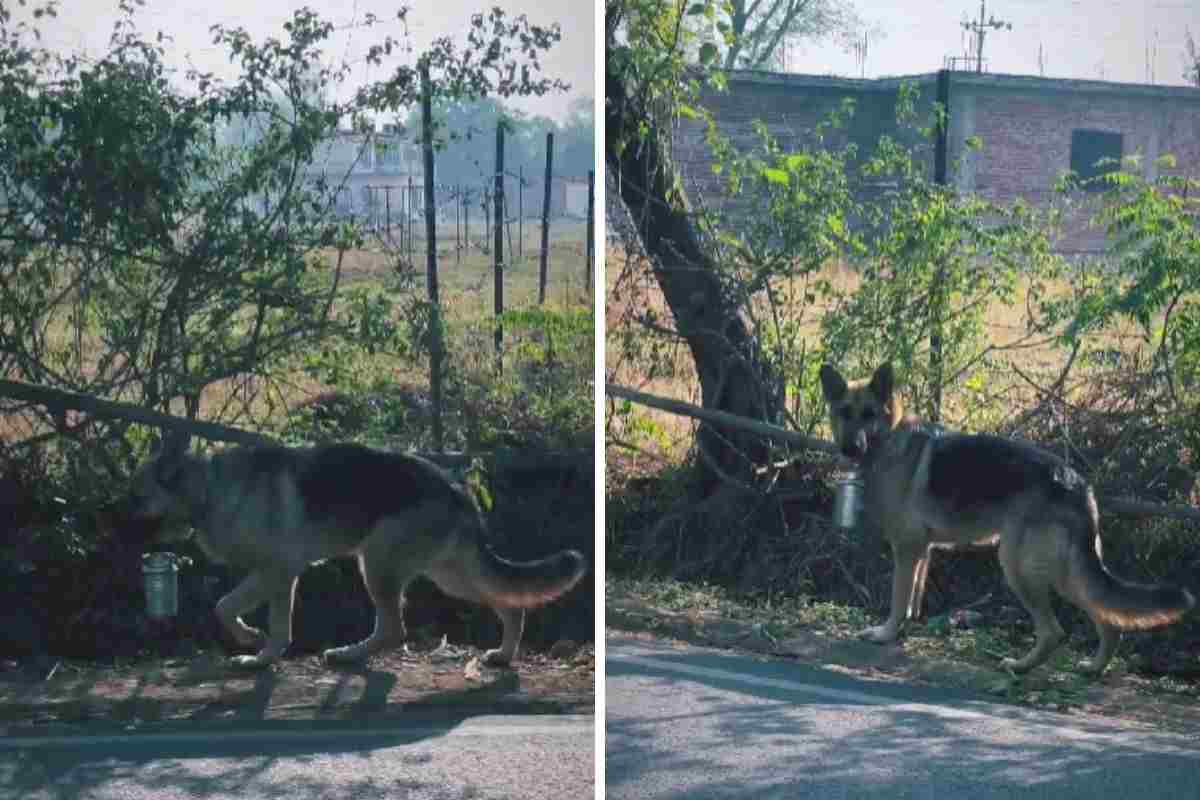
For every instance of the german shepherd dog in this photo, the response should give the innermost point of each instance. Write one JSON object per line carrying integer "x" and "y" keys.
{"x": 275, "y": 510}
{"x": 924, "y": 488}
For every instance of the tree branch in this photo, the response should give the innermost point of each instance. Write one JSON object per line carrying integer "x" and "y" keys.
{"x": 1113, "y": 505}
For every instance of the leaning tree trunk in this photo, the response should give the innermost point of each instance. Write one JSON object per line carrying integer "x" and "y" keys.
{"x": 733, "y": 376}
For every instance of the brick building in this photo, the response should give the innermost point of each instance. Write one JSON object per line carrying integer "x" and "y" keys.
{"x": 1032, "y": 129}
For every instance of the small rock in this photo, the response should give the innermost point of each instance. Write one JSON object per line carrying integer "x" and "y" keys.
{"x": 1009, "y": 615}
{"x": 1139, "y": 663}
{"x": 445, "y": 652}
{"x": 966, "y": 618}
{"x": 563, "y": 649}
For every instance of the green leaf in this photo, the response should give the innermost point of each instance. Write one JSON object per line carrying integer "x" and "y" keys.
{"x": 774, "y": 175}
{"x": 797, "y": 160}
{"x": 708, "y": 53}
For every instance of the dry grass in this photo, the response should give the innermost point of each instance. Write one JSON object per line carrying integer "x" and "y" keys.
{"x": 631, "y": 288}
{"x": 466, "y": 276}
{"x": 466, "y": 292}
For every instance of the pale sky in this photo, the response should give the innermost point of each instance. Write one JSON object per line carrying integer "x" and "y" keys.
{"x": 87, "y": 24}
{"x": 1083, "y": 39}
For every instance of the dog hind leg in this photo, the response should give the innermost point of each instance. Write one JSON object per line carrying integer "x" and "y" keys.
{"x": 1109, "y": 638}
{"x": 1027, "y": 571}
{"x": 918, "y": 592}
{"x": 513, "y": 621}
{"x": 385, "y": 582}
{"x": 1109, "y": 635}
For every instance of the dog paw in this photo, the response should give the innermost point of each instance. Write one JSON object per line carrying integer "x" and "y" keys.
{"x": 344, "y": 655}
{"x": 1015, "y": 665}
{"x": 880, "y": 634}
{"x": 496, "y": 658}
{"x": 258, "y": 661}
{"x": 247, "y": 638}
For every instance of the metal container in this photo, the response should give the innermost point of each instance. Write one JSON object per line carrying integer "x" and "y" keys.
{"x": 160, "y": 575}
{"x": 848, "y": 500}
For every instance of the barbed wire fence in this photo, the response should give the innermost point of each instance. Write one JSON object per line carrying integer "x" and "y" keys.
{"x": 392, "y": 212}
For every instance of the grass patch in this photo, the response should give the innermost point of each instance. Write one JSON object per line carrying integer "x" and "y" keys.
{"x": 932, "y": 651}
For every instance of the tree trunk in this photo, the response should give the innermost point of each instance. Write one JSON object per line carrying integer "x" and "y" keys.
{"x": 733, "y": 377}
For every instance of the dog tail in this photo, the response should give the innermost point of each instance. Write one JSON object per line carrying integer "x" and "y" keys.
{"x": 528, "y": 584}
{"x": 1120, "y": 603}
{"x": 1133, "y": 606}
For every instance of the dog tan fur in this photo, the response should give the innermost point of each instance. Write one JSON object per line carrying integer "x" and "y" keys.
{"x": 274, "y": 511}
{"x": 924, "y": 488}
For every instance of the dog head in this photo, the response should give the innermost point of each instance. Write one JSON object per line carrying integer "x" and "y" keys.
{"x": 862, "y": 412}
{"x": 159, "y": 496}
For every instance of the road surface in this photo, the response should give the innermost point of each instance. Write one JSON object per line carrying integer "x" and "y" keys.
{"x": 689, "y": 722}
{"x": 482, "y": 757}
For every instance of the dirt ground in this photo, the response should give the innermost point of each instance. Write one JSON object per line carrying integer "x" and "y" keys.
{"x": 78, "y": 697}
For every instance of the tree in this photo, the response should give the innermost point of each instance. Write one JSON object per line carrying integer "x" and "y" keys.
{"x": 144, "y": 258}
{"x": 646, "y": 80}
{"x": 751, "y": 32}
{"x": 1191, "y": 62}
{"x": 576, "y": 141}
{"x": 467, "y": 135}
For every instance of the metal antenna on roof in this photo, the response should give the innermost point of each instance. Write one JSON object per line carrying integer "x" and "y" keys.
{"x": 980, "y": 30}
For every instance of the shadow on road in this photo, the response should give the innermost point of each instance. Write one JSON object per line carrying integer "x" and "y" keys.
{"x": 845, "y": 737}
{"x": 159, "y": 763}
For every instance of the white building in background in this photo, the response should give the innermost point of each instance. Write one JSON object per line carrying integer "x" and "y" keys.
{"x": 575, "y": 198}
{"x": 374, "y": 171}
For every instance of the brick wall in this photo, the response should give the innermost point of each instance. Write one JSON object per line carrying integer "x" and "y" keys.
{"x": 1025, "y": 125}
{"x": 791, "y": 107}
{"x": 1027, "y": 132}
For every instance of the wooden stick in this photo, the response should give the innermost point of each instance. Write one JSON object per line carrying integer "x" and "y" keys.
{"x": 1112, "y": 505}
{"x": 721, "y": 418}
{"x": 504, "y": 458}
{"x": 58, "y": 398}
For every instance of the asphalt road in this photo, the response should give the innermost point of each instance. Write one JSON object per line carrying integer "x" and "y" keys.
{"x": 687, "y": 722}
{"x": 482, "y": 757}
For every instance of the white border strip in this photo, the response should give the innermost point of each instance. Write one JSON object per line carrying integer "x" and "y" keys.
{"x": 600, "y": 284}
{"x": 399, "y": 729}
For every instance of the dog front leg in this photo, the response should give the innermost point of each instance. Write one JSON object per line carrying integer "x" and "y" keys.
{"x": 282, "y": 598}
{"x": 907, "y": 560}
{"x": 245, "y": 597}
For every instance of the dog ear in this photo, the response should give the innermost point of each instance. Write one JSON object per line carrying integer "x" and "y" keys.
{"x": 833, "y": 385}
{"x": 176, "y": 444}
{"x": 883, "y": 382}
{"x": 168, "y": 465}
